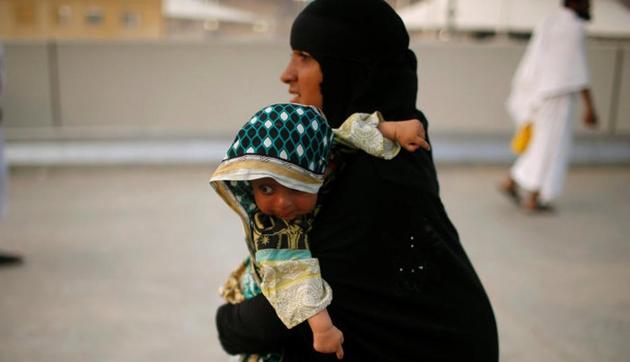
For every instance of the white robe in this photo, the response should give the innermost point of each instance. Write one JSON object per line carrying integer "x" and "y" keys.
{"x": 544, "y": 91}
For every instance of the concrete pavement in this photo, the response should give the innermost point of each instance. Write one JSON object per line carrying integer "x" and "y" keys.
{"x": 123, "y": 263}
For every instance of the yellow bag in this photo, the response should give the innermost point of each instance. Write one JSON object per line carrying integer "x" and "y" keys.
{"x": 522, "y": 137}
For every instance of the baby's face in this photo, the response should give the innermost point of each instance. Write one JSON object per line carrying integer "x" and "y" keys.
{"x": 276, "y": 200}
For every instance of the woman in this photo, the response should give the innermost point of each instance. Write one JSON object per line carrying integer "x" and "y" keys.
{"x": 403, "y": 287}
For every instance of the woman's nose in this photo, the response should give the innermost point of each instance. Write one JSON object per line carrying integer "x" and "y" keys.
{"x": 288, "y": 75}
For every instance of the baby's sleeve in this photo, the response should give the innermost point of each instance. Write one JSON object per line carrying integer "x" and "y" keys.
{"x": 292, "y": 282}
{"x": 360, "y": 131}
{"x": 290, "y": 277}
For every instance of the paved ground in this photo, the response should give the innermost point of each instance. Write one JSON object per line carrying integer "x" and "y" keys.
{"x": 123, "y": 264}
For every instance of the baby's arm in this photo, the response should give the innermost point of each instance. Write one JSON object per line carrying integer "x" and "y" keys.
{"x": 291, "y": 280}
{"x": 326, "y": 337}
{"x": 293, "y": 306}
{"x": 377, "y": 137}
{"x": 409, "y": 134}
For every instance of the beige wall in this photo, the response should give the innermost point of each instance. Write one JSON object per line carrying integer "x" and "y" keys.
{"x": 186, "y": 88}
{"x": 39, "y": 19}
{"x": 602, "y": 66}
{"x": 623, "y": 116}
{"x": 27, "y": 101}
{"x": 463, "y": 88}
{"x": 199, "y": 89}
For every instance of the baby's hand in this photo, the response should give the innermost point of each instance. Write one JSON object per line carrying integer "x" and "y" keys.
{"x": 410, "y": 135}
{"x": 329, "y": 341}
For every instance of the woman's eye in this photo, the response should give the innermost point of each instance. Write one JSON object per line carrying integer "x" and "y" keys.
{"x": 265, "y": 189}
{"x": 303, "y": 55}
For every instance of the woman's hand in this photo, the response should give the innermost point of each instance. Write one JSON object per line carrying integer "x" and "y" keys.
{"x": 329, "y": 341}
{"x": 409, "y": 134}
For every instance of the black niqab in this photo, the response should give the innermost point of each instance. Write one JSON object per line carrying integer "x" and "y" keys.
{"x": 362, "y": 47}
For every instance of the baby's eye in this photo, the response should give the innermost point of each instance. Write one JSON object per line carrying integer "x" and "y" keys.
{"x": 265, "y": 189}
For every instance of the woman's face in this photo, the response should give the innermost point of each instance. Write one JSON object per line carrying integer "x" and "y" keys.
{"x": 304, "y": 77}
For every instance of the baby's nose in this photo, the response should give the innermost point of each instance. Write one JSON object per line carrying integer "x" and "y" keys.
{"x": 283, "y": 202}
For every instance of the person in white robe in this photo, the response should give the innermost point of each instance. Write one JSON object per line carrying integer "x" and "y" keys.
{"x": 550, "y": 78}
{"x": 6, "y": 259}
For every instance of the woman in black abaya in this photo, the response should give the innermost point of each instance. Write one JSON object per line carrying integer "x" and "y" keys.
{"x": 403, "y": 287}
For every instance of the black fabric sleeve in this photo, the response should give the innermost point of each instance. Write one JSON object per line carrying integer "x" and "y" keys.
{"x": 250, "y": 327}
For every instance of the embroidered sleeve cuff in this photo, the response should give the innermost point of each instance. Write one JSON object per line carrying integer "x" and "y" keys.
{"x": 294, "y": 288}
{"x": 360, "y": 131}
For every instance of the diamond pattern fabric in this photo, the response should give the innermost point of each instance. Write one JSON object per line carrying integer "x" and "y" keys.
{"x": 291, "y": 132}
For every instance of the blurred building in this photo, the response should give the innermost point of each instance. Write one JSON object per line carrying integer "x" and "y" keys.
{"x": 145, "y": 19}
{"x": 611, "y": 18}
{"x": 59, "y": 19}
{"x": 203, "y": 19}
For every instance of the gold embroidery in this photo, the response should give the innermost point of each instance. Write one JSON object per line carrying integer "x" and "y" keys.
{"x": 227, "y": 168}
{"x": 360, "y": 131}
{"x": 295, "y": 289}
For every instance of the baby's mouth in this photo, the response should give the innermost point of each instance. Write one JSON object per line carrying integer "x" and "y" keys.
{"x": 287, "y": 216}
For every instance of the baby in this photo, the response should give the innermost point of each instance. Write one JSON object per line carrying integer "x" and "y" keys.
{"x": 270, "y": 177}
